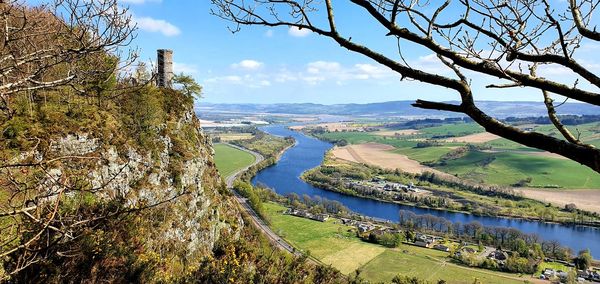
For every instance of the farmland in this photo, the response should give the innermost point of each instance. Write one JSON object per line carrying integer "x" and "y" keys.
{"x": 499, "y": 161}
{"x": 337, "y": 245}
{"x": 230, "y": 160}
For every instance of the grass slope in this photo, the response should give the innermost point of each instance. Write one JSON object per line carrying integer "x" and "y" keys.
{"x": 336, "y": 244}
{"x": 508, "y": 167}
{"x": 230, "y": 160}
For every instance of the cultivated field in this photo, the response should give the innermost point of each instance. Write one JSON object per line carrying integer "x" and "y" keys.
{"x": 229, "y": 159}
{"x": 393, "y": 133}
{"x": 473, "y": 138}
{"x": 337, "y": 245}
{"x": 413, "y": 261}
{"x": 226, "y": 137}
{"x": 381, "y": 155}
{"x": 585, "y": 199}
{"x": 503, "y": 163}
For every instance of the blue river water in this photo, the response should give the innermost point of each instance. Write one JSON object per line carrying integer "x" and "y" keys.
{"x": 284, "y": 178}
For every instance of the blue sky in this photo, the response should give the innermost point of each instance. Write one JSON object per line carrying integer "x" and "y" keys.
{"x": 279, "y": 65}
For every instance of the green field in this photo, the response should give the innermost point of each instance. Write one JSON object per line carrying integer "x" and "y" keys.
{"x": 458, "y": 129}
{"x": 336, "y": 244}
{"x": 429, "y": 154}
{"x": 507, "y": 165}
{"x": 230, "y": 160}
{"x": 506, "y": 168}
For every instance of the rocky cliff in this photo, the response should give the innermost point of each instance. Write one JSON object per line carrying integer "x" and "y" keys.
{"x": 127, "y": 201}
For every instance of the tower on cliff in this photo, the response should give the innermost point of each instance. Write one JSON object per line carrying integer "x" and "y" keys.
{"x": 165, "y": 68}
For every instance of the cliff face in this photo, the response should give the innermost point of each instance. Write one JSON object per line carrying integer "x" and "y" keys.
{"x": 187, "y": 187}
{"x": 154, "y": 201}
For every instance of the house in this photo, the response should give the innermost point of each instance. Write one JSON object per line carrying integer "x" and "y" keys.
{"x": 363, "y": 227}
{"x": 305, "y": 214}
{"x": 441, "y": 247}
{"x": 424, "y": 244}
{"x": 468, "y": 250}
{"x": 562, "y": 275}
{"x": 595, "y": 275}
{"x": 498, "y": 255}
{"x": 549, "y": 273}
{"x": 321, "y": 217}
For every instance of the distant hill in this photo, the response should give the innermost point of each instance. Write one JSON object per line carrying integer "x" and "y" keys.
{"x": 400, "y": 108}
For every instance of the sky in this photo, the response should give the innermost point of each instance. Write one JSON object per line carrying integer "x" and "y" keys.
{"x": 283, "y": 65}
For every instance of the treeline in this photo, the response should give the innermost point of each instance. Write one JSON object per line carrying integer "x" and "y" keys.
{"x": 500, "y": 200}
{"x": 433, "y": 122}
{"x": 315, "y": 205}
{"x": 331, "y": 178}
{"x": 565, "y": 119}
{"x": 525, "y": 251}
{"x": 427, "y": 122}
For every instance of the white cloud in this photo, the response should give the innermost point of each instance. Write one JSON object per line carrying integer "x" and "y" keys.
{"x": 297, "y": 32}
{"x": 247, "y": 64}
{"x": 312, "y": 74}
{"x": 269, "y": 33}
{"x": 184, "y": 68}
{"x": 156, "y": 25}
{"x": 326, "y": 66}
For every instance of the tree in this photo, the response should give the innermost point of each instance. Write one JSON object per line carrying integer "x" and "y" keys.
{"x": 583, "y": 260}
{"x": 501, "y": 40}
{"x": 188, "y": 85}
{"x": 61, "y": 43}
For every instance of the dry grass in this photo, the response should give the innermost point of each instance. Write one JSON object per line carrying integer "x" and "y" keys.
{"x": 226, "y": 137}
{"x": 474, "y": 138}
{"x": 586, "y": 199}
{"x": 380, "y": 155}
{"x": 393, "y": 133}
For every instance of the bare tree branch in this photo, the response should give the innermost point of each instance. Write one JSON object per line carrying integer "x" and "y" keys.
{"x": 520, "y": 33}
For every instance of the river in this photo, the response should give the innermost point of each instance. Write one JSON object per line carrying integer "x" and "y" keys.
{"x": 284, "y": 178}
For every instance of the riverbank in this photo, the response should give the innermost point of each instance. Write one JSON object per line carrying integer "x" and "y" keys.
{"x": 437, "y": 193}
{"x": 416, "y": 205}
{"x": 309, "y": 153}
{"x": 269, "y": 146}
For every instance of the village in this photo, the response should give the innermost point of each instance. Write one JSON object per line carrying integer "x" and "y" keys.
{"x": 379, "y": 183}
{"x": 369, "y": 229}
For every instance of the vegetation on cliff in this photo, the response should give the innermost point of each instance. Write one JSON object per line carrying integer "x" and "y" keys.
{"x": 105, "y": 177}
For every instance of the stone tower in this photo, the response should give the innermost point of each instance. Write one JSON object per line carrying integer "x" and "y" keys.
{"x": 165, "y": 68}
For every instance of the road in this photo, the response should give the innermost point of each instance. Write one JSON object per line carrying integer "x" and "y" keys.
{"x": 258, "y": 222}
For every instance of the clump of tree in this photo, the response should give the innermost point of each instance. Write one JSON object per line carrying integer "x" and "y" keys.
{"x": 316, "y": 204}
{"x": 505, "y": 42}
{"x": 526, "y": 250}
{"x": 62, "y": 43}
{"x": 583, "y": 261}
